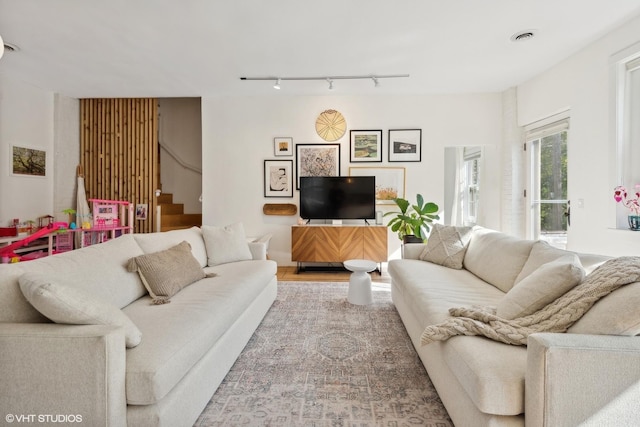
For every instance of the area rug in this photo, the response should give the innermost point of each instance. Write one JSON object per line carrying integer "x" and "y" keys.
{"x": 317, "y": 360}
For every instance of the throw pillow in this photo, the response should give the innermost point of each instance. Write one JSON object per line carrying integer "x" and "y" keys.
{"x": 225, "y": 244}
{"x": 68, "y": 305}
{"x": 165, "y": 273}
{"x": 447, "y": 245}
{"x": 615, "y": 314}
{"x": 549, "y": 282}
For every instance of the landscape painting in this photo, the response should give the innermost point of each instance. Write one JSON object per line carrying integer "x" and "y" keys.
{"x": 366, "y": 146}
{"x": 29, "y": 161}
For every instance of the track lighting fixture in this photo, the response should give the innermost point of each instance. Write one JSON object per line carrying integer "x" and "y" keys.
{"x": 329, "y": 79}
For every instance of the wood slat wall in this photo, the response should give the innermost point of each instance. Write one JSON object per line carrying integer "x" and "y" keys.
{"x": 119, "y": 152}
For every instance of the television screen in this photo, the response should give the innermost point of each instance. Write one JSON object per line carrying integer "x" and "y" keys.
{"x": 338, "y": 197}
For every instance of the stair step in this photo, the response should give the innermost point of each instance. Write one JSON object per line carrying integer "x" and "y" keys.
{"x": 181, "y": 220}
{"x": 172, "y": 208}
{"x": 165, "y": 198}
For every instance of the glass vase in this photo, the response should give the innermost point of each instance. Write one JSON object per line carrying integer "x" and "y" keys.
{"x": 634, "y": 222}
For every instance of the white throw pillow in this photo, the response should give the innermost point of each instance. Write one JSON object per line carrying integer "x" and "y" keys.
{"x": 447, "y": 245}
{"x": 225, "y": 244}
{"x": 67, "y": 305}
{"x": 549, "y": 282}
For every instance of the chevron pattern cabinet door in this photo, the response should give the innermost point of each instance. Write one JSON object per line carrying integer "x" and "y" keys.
{"x": 375, "y": 243}
{"x": 351, "y": 242}
{"x": 303, "y": 244}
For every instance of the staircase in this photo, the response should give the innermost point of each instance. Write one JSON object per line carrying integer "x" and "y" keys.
{"x": 172, "y": 216}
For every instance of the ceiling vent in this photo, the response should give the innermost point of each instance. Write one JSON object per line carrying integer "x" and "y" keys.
{"x": 523, "y": 35}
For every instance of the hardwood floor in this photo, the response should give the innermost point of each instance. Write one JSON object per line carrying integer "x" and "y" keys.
{"x": 288, "y": 274}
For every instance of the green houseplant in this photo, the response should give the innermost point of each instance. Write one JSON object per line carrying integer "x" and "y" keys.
{"x": 412, "y": 222}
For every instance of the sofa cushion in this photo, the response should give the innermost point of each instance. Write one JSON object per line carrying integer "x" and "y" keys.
{"x": 68, "y": 305}
{"x": 495, "y": 257}
{"x": 14, "y": 307}
{"x": 447, "y": 245}
{"x": 491, "y": 373}
{"x": 166, "y": 272}
{"x": 155, "y": 242}
{"x": 615, "y": 314}
{"x": 549, "y": 282}
{"x": 100, "y": 270}
{"x": 179, "y": 334}
{"x": 225, "y": 244}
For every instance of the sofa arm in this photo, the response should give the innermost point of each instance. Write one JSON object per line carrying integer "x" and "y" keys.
{"x": 72, "y": 371}
{"x": 575, "y": 379}
{"x": 412, "y": 250}
{"x": 259, "y": 246}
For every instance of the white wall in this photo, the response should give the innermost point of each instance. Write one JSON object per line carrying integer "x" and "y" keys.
{"x": 66, "y": 127}
{"x": 238, "y": 132}
{"x": 26, "y": 119}
{"x": 582, "y": 83}
{"x": 180, "y": 131}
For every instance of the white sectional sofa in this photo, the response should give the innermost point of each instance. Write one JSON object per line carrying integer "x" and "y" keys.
{"x": 185, "y": 349}
{"x": 587, "y": 376}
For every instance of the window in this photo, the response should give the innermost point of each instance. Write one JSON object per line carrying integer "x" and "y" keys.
{"x": 471, "y": 184}
{"x": 547, "y": 197}
{"x": 627, "y": 126}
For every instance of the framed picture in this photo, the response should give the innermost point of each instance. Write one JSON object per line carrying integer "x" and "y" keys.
{"x": 366, "y": 146}
{"x": 317, "y": 160}
{"x": 390, "y": 182}
{"x": 283, "y": 146}
{"x": 278, "y": 178}
{"x": 141, "y": 211}
{"x": 405, "y": 145}
{"x": 27, "y": 161}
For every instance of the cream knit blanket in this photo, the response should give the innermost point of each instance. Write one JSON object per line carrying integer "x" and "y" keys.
{"x": 557, "y": 316}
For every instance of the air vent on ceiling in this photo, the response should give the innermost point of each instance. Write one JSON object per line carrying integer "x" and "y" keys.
{"x": 523, "y": 35}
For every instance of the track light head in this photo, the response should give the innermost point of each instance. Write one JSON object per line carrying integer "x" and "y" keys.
{"x": 376, "y": 82}
{"x": 330, "y": 84}
{"x": 277, "y": 85}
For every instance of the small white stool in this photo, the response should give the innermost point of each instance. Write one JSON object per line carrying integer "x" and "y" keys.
{"x": 360, "y": 281}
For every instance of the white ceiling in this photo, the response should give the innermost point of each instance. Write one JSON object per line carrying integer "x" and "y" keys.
{"x": 138, "y": 48}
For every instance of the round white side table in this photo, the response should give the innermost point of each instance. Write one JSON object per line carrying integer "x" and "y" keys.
{"x": 360, "y": 281}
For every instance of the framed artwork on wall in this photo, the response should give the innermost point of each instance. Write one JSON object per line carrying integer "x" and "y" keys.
{"x": 141, "y": 211}
{"x": 283, "y": 146}
{"x": 366, "y": 146}
{"x": 405, "y": 145}
{"x": 317, "y": 160}
{"x": 27, "y": 161}
{"x": 390, "y": 182}
{"x": 278, "y": 178}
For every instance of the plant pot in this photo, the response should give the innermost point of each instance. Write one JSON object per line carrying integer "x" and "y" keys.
{"x": 634, "y": 222}
{"x": 410, "y": 238}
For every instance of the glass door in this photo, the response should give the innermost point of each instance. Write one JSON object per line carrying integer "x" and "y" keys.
{"x": 548, "y": 199}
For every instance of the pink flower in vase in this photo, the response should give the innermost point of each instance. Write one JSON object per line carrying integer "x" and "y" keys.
{"x": 621, "y": 195}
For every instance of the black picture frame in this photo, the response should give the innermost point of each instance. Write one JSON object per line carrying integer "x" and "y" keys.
{"x": 365, "y": 146}
{"x": 405, "y": 145}
{"x": 317, "y": 160}
{"x": 278, "y": 178}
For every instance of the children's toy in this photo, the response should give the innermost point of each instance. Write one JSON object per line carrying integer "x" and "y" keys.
{"x": 7, "y": 252}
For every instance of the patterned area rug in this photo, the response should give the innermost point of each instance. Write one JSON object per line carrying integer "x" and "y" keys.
{"x": 317, "y": 360}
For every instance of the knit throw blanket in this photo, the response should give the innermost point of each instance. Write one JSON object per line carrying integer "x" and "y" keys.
{"x": 557, "y": 316}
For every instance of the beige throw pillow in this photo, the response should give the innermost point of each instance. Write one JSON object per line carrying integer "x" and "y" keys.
{"x": 166, "y": 272}
{"x": 549, "y": 282}
{"x": 68, "y": 305}
{"x": 225, "y": 244}
{"x": 447, "y": 245}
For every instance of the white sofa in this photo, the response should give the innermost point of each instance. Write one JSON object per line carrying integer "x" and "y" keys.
{"x": 187, "y": 346}
{"x": 588, "y": 376}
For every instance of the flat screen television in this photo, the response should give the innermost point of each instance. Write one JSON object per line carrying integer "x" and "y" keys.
{"x": 338, "y": 197}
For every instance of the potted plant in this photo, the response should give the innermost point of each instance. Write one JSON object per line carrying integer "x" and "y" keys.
{"x": 412, "y": 222}
{"x": 632, "y": 203}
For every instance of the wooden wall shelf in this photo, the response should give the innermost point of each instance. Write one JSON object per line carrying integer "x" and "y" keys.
{"x": 279, "y": 209}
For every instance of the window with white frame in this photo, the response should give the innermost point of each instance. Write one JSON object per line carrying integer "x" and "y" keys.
{"x": 627, "y": 128}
